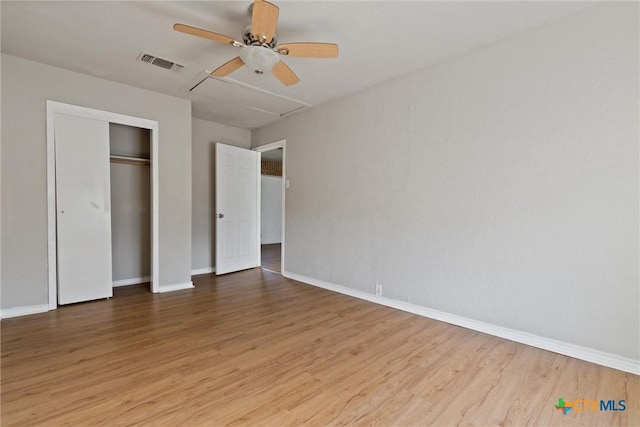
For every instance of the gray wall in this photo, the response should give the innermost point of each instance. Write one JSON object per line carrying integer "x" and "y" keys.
{"x": 130, "y": 204}
{"x": 26, "y": 85}
{"x": 271, "y": 209}
{"x": 129, "y": 141}
{"x": 501, "y": 186}
{"x": 205, "y": 135}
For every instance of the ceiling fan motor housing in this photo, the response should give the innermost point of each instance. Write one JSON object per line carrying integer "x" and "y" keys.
{"x": 251, "y": 40}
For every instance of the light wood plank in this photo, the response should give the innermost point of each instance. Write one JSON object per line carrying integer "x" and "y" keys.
{"x": 253, "y": 348}
{"x": 271, "y": 256}
{"x": 264, "y": 20}
{"x": 309, "y": 50}
{"x": 206, "y": 34}
{"x": 228, "y": 67}
{"x": 285, "y": 74}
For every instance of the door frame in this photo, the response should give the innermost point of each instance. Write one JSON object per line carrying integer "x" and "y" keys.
{"x": 54, "y": 108}
{"x": 268, "y": 147}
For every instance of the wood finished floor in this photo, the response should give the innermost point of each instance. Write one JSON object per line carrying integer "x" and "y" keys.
{"x": 270, "y": 257}
{"x": 253, "y": 348}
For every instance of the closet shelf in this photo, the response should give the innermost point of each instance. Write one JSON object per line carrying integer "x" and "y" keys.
{"x": 129, "y": 160}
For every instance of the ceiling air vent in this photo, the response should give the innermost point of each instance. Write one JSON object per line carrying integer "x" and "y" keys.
{"x": 159, "y": 62}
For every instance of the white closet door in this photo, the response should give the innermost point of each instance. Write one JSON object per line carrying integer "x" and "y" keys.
{"x": 83, "y": 200}
{"x": 237, "y": 219}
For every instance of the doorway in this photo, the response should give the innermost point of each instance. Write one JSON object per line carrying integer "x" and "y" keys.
{"x": 272, "y": 204}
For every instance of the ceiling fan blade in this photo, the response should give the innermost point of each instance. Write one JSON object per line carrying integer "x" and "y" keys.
{"x": 264, "y": 20}
{"x": 187, "y": 29}
{"x": 285, "y": 74}
{"x": 309, "y": 50}
{"x": 228, "y": 67}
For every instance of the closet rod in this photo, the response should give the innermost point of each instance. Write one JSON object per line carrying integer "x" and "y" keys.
{"x": 130, "y": 160}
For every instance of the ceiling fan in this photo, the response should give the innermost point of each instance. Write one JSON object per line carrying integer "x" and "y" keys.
{"x": 260, "y": 50}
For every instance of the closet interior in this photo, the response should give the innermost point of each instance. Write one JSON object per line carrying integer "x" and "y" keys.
{"x": 130, "y": 176}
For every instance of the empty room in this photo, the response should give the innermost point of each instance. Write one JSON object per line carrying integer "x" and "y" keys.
{"x": 285, "y": 213}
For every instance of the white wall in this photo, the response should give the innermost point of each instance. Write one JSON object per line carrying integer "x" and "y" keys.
{"x": 271, "y": 212}
{"x": 205, "y": 135}
{"x": 26, "y": 85}
{"x": 130, "y": 204}
{"x": 501, "y": 186}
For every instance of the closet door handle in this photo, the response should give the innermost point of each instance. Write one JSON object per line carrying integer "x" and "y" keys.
{"x": 220, "y": 215}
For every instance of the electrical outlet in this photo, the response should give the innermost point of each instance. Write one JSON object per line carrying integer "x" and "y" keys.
{"x": 378, "y": 289}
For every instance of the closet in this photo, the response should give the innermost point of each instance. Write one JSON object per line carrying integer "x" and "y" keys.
{"x": 99, "y": 163}
{"x": 130, "y": 179}
{"x": 102, "y": 202}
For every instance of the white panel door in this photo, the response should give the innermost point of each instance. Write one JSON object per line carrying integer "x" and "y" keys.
{"x": 237, "y": 223}
{"x": 83, "y": 209}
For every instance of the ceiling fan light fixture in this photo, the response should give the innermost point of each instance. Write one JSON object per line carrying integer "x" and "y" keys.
{"x": 258, "y": 58}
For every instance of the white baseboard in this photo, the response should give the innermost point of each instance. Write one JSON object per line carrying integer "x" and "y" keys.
{"x": 175, "y": 287}
{"x": 583, "y": 353}
{"x": 43, "y": 308}
{"x": 23, "y": 311}
{"x": 203, "y": 271}
{"x": 132, "y": 281}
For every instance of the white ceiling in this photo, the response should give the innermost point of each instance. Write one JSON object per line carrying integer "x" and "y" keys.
{"x": 378, "y": 41}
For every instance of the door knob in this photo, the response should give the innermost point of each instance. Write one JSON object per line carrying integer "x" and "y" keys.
{"x": 220, "y": 215}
